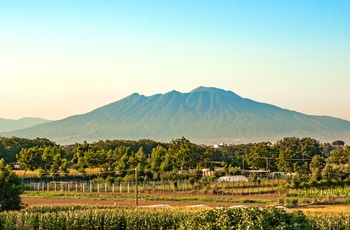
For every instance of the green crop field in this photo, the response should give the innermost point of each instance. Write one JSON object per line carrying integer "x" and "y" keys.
{"x": 102, "y": 217}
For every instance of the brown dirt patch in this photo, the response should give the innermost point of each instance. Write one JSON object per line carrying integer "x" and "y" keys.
{"x": 38, "y": 201}
{"x": 35, "y": 201}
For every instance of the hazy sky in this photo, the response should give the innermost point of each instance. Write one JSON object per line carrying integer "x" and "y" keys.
{"x": 61, "y": 58}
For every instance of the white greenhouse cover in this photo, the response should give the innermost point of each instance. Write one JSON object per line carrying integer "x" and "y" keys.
{"x": 233, "y": 178}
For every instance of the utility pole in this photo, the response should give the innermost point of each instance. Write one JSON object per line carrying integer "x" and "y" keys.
{"x": 136, "y": 189}
{"x": 243, "y": 162}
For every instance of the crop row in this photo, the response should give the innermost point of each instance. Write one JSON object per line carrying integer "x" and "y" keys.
{"x": 322, "y": 193}
{"x": 84, "y": 217}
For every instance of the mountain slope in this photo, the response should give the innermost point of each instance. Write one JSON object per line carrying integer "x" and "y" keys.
{"x": 7, "y": 125}
{"x": 202, "y": 115}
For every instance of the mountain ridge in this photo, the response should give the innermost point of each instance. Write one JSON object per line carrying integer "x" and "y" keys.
{"x": 7, "y": 125}
{"x": 204, "y": 114}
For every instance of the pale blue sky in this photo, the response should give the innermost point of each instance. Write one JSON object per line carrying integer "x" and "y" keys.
{"x": 61, "y": 58}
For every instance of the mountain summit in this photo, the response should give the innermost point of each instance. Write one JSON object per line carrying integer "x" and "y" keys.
{"x": 206, "y": 115}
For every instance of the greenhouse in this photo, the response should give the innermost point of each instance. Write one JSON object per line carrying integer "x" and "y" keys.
{"x": 233, "y": 178}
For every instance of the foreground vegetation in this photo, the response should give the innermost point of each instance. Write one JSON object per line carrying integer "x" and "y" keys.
{"x": 100, "y": 217}
{"x": 82, "y": 217}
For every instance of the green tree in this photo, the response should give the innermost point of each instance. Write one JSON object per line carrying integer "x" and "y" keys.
{"x": 338, "y": 143}
{"x": 210, "y": 156}
{"x": 234, "y": 154}
{"x": 10, "y": 189}
{"x": 326, "y": 149}
{"x": 109, "y": 161}
{"x": 31, "y": 158}
{"x": 78, "y": 151}
{"x": 13, "y": 145}
{"x": 186, "y": 154}
{"x": 259, "y": 155}
{"x": 157, "y": 156}
{"x": 95, "y": 159}
{"x": 339, "y": 156}
{"x": 140, "y": 158}
{"x": 317, "y": 162}
{"x": 168, "y": 162}
{"x": 293, "y": 152}
{"x": 53, "y": 161}
{"x": 330, "y": 171}
{"x": 310, "y": 147}
{"x": 122, "y": 154}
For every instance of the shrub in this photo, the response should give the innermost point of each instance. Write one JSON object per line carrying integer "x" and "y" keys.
{"x": 10, "y": 188}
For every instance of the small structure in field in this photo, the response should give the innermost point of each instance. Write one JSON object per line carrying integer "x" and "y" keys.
{"x": 236, "y": 178}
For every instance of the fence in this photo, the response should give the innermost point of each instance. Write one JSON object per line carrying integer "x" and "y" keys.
{"x": 181, "y": 186}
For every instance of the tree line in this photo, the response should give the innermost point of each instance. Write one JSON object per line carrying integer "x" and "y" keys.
{"x": 306, "y": 158}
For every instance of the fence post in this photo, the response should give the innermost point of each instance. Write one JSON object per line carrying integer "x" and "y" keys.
{"x": 136, "y": 189}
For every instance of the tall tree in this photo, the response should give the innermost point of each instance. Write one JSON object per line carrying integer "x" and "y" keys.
{"x": 31, "y": 158}
{"x": 290, "y": 154}
{"x": 262, "y": 156}
{"x": 53, "y": 161}
{"x": 186, "y": 154}
{"x": 339, "y": 156}
{"x": 310, "y": 147}
{"x": 318, "y": 162}
{"x": 157, "y": 156}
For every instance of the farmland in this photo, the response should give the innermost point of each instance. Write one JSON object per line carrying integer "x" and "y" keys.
{"x": 108, "y": 217}
{"x": 119, "y": 210}
{"x": 106, "y": 185}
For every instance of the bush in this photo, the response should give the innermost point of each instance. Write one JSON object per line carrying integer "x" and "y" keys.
{"x": 191, "y": 181}
{"x": 10, "y": 188}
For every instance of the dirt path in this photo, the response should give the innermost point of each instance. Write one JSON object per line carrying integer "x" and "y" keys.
{"x": 34, "y": 201}
{"x": 40, "y": 201}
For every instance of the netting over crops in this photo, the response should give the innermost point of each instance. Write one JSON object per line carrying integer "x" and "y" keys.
{"x": 233, "y": 178}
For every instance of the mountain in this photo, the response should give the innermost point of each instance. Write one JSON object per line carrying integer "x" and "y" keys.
{"x": 204, "y": 115}
{"x": 7, "y": 125}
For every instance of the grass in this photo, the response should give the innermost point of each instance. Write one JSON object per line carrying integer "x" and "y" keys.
{"x": 205, "y": 199}
{"x": 311, "y": 210}
{"x": 92, "y": 196}
{"x": 71, "y": 172}
{"x": 111, "y": 196}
